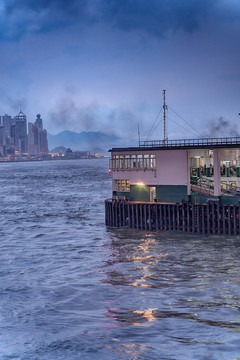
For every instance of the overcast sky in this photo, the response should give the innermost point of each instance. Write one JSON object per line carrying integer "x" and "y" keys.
{"x": 101, "y": 65}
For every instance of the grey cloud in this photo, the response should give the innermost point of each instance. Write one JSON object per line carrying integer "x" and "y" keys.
{"x": 159, "y": 17}
{"x": 15, "y": 103}
{"x": 29, "y": 16}
{"x": 154, "y": 17}
{"x": 222, "y": 127}
{"x": 68, "y": 115}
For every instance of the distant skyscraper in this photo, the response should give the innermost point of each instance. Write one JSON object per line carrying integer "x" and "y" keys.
{"x": 43, "y": 142}
{"x": 6, "y": 122}
{"x": 39, "y": 122}
{"x": 21, "y": 132}
{"x": 13, "y": 136}
{"x": 37, "y": 138}
{"x": 33, "y": 139}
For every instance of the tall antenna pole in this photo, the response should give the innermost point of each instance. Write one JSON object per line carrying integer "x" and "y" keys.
{"x": 164, "y": 115}
{"x": 138, "y": 135}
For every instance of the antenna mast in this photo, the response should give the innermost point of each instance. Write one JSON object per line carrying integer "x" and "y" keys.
{"x": 138, "y": 135}
{"x": 164, "y": 115}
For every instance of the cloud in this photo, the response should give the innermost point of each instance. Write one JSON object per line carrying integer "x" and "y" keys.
{"x": 154, "y": 17}
{"x": 158, "y": 18}
{"x": 222, "y": 127}
{"x": 67, "y": 114}
{"x": 18, "y": 18}
{"x": 14, "y": 103}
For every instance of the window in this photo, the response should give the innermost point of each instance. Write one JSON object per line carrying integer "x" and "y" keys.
{"x": 127, "y": 162}
{"x": 146, "y": 162}
{"x": 117, "y": 162}
{"x": 152, "y": 161}
{"x": 113, "y": 162}
{"x": 122, "y": 185}
{"x": 139, "y": 161}
{"x": 133, "y": 162}
{"x": 121, "y": 162}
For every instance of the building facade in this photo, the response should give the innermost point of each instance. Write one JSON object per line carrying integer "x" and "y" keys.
{"x": 37, "y": 138}
{"x": 15, "y": 141}
{"x": 21, "y": 138}
{"x": 173, "y": 171}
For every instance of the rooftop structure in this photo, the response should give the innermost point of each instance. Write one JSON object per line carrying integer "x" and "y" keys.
{"x": 189, "y": 185}
{"x": 175, "y": 170}
{"x": 171, "y": 173}
{"x": 202, "y": 143}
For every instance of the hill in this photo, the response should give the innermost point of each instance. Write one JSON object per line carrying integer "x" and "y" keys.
{"x": 90, "y": 141}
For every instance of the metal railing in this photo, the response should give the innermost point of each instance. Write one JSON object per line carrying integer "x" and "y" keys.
{"x": 191, "y": 142}
{"x": 203, "y": 186}
{"x": 206, "y": 186}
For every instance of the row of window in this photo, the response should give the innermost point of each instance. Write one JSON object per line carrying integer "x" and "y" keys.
{"x": 133, "y": 162}
{"x": 122, "y": 185}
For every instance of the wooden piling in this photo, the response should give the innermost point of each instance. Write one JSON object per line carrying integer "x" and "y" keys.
{"x": 156, "y": 214}
{"x": 218, "y": 219}
{"x": 229, "y": 220}
{"x": 210, "y": 218}
{"x": 145, "y": 217}
{"x": 161, "y": 216}
{"x": 165, "y": 217}
{"x": 174, "y": 217}
{"x": 178, "y": 217}
{"x": 149, "y": 217}
{"x": 223, "y": 220}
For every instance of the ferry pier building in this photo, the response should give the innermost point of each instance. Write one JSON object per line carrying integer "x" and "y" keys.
{"x": 187, "y": 185}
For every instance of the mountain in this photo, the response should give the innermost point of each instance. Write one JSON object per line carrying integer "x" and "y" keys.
{"x": 59, "y": 149}
{"x": 88, "y": 141}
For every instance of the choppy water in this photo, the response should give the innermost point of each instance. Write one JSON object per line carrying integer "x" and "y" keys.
{"x": 70, "y": 289}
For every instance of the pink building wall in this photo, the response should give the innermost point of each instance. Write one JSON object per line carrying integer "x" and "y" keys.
{"x": 171, "y": 168}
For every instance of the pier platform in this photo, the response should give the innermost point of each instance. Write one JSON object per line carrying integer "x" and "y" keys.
{"x": 209, "y": 218}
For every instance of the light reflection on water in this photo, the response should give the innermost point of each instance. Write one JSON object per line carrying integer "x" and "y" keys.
{"x": 72, "y": 289}
{"x": 185, "y": 290}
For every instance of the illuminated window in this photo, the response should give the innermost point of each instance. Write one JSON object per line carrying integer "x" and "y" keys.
{"x": 122, "y": 185}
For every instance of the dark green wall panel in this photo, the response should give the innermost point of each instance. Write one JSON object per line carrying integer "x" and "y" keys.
{"x": 139, "y": 193}
{"x": 171, "y": 193}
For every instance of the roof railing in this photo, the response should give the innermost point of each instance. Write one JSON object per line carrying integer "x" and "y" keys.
{"x": 191, "y": 142}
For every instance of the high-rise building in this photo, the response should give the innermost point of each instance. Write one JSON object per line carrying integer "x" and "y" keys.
{"x": 33, "y": 140}
{"x": 21, "y": 132}
{"x": 37, "y": 138}
{"x": 39, "y": 122}
{"x": 13, "y": 136}
{"x": 43, "y": 142}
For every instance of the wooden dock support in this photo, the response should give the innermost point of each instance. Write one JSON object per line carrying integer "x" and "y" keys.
{"x": 210, "y": 218}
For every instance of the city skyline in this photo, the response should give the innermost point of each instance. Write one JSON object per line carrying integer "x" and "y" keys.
{"x": 102, "y": 66}
{"x": 20, "y": 138}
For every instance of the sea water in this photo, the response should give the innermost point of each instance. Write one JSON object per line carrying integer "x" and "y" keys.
{"x": 72, "y": 289}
